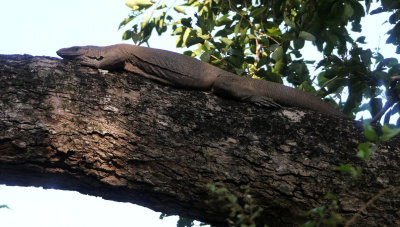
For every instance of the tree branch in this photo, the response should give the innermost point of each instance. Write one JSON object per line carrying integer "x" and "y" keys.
{"x": 125, "y": 138}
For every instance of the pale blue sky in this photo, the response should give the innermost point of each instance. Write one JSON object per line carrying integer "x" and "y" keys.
{"x": 41, "y": 27}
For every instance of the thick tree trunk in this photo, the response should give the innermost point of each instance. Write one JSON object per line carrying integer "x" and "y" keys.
{"x": 125, "y": 138}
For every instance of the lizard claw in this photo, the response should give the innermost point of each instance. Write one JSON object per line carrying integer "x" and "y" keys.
{"x": 262, "y": 101}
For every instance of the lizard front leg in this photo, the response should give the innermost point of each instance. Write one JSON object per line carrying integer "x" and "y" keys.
{"x": 108, "y": 61}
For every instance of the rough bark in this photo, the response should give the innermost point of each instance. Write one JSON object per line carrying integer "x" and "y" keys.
{"x": 125, "y": 138}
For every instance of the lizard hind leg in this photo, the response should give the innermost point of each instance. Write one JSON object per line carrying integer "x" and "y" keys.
{"x": 241, "y": 89}
{"x": 261, "y": 101}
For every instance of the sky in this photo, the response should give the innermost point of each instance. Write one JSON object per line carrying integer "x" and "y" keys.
{"x": 41, "y": 27}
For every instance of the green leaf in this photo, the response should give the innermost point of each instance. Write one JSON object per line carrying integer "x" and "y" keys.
{"x": 364, "y": 151}
{"x": 223, "y": 20}
{"x": 139, "y": 4}
{"x": 179, "y": 42}
{"x": 206, "y": 56}
{"x": 222, "y": 32}
{"x": 204, "y": 37}
{"x": 317, "y": 210}
{"x": 235, "y": 52}
{"x": 307, "y": 36}
{"x": 258, "y": 11}
{"x": 160, "y": 24}
{"x": 394, "y": 18}
{"x": 127, "y": 35}
{"x": 367, "y": 5}
{"x": 184, "y": 222}
{"x": 389, "y": 133}
{"x": 186, "y": 35}
{"x": 306, "y": 86}
{"x": 390, "y": 62}
{"x": 136, "y": 37}
{"x": 355, "y": 96}
{"x": 227, "y": 41}
{"x": 274, "y": 77}
{"x": 348, "y": 12}
{"x": 237, "y": 28}
{"x": 298, "y": 72}
{"x": 251, "y": 36}
{"x": 4, "y": 206}
{"x": 298, "y": 43}
{"x": 278, "y": 54}
{"x": 349, "y": 169}
{"x": 145, "y": 21}
{"x": 370, "y": 133}
{"x": 192, "y": 40}
{"x": 377, "y": 11}
{"x": 236, "y": 61}
{"x": 309, "y": 224}
{"x": 187, "y": 22}
{"x": 289, "y": 23}
{"x": 178, "y": 30}
{"x": 179, "y": 10}
{"x": 275, "y": 31}
{"x": 279, "y": 66}
{"x": 263, "y": 61}
{"x": 169, "y": 18}
{"x": 126, "y": 21}
{"x": 243, "y": 32}
{"x": 162, "y": 6}
{"x": 361, "y": 39}
{"x": 189, "y": 53}
{"x": 331, "y": 196}
{"x": 197, "y": 52}
{"x": 322, "y": 80}
{"x": 264, "y": 41}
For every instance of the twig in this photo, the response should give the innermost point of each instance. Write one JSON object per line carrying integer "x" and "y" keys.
{"x": 326, "y": 84}
{"x": 355, "y": 216}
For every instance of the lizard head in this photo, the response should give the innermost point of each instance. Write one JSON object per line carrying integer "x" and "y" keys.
{"x": 79, "y": 52}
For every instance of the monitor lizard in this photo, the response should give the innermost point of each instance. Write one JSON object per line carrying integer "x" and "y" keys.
{"x": 186, "y": 72}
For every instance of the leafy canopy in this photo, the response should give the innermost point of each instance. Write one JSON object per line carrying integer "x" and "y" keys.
{"x": 264, "y": 39}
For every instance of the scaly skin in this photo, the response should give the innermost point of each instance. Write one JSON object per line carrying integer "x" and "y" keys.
{"x": 183, "y": 71}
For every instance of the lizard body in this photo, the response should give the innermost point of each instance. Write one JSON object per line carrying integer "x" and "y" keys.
{"x": 186, "y": 72}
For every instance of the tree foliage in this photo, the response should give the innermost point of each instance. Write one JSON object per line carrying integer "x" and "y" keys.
{"x": 266, "y": 38}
